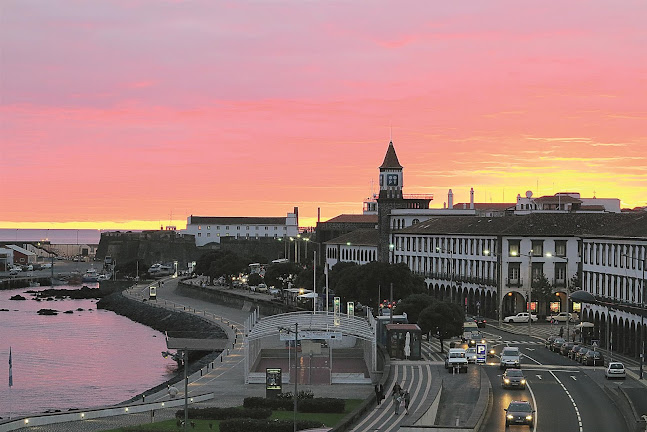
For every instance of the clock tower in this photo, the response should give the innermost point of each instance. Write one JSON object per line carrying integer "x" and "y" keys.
{"x": 391, "y": 175}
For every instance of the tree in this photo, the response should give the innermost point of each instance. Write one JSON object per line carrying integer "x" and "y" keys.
{"x": 254, "y": 279}
{"x": 361, "y": 283}
{"x": 542, "y": 291}
{"x": 278, "y": 274}
{"x": 443, "y": 320}
{"x": 413, "y": 305}
{"x": 221, "y": 263}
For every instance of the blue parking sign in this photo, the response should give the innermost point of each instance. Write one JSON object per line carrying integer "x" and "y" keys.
{"x": 481, "y": 352}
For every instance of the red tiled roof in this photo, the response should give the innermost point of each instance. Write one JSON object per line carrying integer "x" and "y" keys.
{"x": 359, "y": 237}
{"x": 391, "y": 159}
{"x": 356, "y": 218}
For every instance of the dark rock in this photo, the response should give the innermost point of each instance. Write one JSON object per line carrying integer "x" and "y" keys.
{"x": 69, "y": 312}
{"x": 47, "y": 312}
{"x": 17, "y": 297}
{"x": 80, "y": 309}
{"x": 4, "y": 310}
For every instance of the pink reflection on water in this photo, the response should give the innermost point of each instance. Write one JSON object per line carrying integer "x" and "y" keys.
{"x": 85, "y": 359}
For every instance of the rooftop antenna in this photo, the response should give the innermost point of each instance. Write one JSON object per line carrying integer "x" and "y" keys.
{"x": 390, "y": 132}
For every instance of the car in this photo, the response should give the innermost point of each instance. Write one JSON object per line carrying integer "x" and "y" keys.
{"x": 557, "y": 344}
{"x": 261, "y": 288}
{"x": 27, "y": 267}
{"x": 520, "y": 318}
{"x": 476, "y": 337}
{"x": 456, "y": 359}
{"x": 615, "y": 370}
{"x": 566, "y": 347}
{"x": 274, "y": 291}
{"x": 549, "y": 341}
{"x": 592, "y": 358}
{"x": 510, "y": 357}
{"x": 470, "y": 353}
{"x": 513, "y": 378}
{"x": 480, "y": 321}
{"x": 562, "y": 317}
{"x": 573, "y": 352}
{"x": 14, "y": 271}
{"x": 579, "y": 356}
{"x": 520, "y": 412}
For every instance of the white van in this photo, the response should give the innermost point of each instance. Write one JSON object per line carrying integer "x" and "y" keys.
{"x": 510, "y": 357}
{"x": 456, "y": 358}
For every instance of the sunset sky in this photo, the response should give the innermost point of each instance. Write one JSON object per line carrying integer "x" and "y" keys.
{"x": 132, "y": 113}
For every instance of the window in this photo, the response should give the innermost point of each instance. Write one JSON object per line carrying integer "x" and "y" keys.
{"x": 537, "y": 271}
{"x": 247, "y": 228}
{"x": 208, "y": 227}
{"x": 513, "y": 272}
{"x": 513, "y": 247}
{"x": 199, "y": 234}
{"x": 415, "y": 221}
{"x": 238, "y": 228}
{"x": 227, "y": 227}
{"x": 537, "y": 248}
{"x": 199, "y": 227}
{"x": 208, "y": 234}
{"x": 560, "y": 248}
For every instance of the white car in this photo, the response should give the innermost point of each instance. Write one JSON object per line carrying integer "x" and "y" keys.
{"x": 615, "y": 370}
{"x": 562, "y": 317}
{"x": 470, "y": 353}
{"x": 521, "y": 317}
{"x": 510, "y": 357}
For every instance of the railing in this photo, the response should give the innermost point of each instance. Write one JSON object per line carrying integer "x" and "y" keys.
{"x": 511, "y": 282}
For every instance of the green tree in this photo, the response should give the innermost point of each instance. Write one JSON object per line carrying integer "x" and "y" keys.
{"x": 413, "y": 305}
{"x": 221, "y": 263}
{"x": 278, "y": 274}
{"x": 254, "y": 279}
{"x": 542, "y": 292}
{"x": 442, "y": 320}
{"x": 360, "y": 283}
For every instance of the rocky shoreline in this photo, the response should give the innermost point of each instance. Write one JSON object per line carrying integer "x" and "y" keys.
{"x": 164, "y": 320}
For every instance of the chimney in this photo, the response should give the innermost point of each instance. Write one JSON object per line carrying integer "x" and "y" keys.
{"x": 471, "y": 198}
{"x": 450, "y": 200}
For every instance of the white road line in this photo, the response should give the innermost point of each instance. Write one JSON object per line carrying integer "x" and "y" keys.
{"x": 577, "y": 411}
{"x": 396, "y": 424}
{"x": 534, "y": 404}
{"x": 389, "y": 405}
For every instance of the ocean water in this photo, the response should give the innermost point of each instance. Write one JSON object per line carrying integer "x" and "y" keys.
{"x": 86, "y": 359}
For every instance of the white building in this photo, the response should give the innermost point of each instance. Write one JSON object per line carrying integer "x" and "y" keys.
{"x": 565, "y": 202}
{"x": 359, "y": 246}
{"x": 208, "y": 229}
{"x": 6, "y": 258}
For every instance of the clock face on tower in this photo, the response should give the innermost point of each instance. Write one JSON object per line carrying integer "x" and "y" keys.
{"x": 391, "y": 179}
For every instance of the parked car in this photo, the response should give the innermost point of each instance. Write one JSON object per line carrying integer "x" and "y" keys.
{"x": 581, "y": 353}
{"x": 520, "y": 413}
{"x": 510, "y": 357}
{"x": 592, "y": 358}
{"x": 562, "y": 317}
{"x": 557, "y": 344}
{"x": 261, "y": 288}
{"x": 520, "y": 317}
{"x": 549, "y": 341}
{"x": 566, "y": 347}
{"x": 480, "y": 321}
{"x": 513, "y": 378}
{"x": 14, "y": 271}
{"x": 615, "y": 370}
{"x": 27, "y": 267}
{"x": 573, "y": 352}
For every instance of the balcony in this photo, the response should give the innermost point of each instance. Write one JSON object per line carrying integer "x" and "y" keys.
{"x": 559, "y": 282}
{"x": 514, "y": 282}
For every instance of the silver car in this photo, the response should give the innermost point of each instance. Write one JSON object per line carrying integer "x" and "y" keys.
{"x": 615, "y": 370}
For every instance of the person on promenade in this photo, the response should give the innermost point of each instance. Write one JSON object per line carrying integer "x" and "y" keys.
{"x": 561, "y": 332}
{"x": 378, "y": 396}
{"x": 407, "y": 399}
{"x": 397, "y": 399}
{"x": 397, "y": 388}
{"x": 172, "y": 390}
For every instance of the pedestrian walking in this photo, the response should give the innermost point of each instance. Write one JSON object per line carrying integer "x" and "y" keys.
{"x": 378, "y": 397}
{"x": 407, "y": 399}
{"x": 396, "y": 388}
{"x": 381, "y": 392}
{"x": 561, "y": 331}
{"x": 397, "y": 399}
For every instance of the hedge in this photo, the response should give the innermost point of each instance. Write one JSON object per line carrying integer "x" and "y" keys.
{"x": 247, "y": 425}
{"x": 322, "y": 405}
{"x": 215, "y": 413}
{"x": 316, "y": 405}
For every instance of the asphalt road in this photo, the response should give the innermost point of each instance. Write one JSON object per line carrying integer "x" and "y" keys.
{"x": 566, "y": 396}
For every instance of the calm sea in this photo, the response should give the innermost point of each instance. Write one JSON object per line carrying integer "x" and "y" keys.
{"x": 86, "y": 359}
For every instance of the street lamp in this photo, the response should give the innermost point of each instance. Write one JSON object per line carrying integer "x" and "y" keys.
{"x": 499, "y": 284}
{"x": 529, "y": 255}
{"x": 183, "y": 357}
{"x": 568, "y": 289}
{"x": 296, "y": 367}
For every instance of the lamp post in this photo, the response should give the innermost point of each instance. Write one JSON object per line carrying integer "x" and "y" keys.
{"x": 450, "y": 268}
{"x": 499, "y": 283}
{"x": 568, "y": 289}
{"x": 184, "y": 357}
{"x": 529, "y": 296}
{"x": 296, "y": 367}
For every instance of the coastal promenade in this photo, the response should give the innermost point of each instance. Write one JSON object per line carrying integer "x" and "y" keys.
{"x": 224, "y": 377}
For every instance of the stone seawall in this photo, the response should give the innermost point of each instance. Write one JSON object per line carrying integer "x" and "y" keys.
{"x": 163, "y": 320}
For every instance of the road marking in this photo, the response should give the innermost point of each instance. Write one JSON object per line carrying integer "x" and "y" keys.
{"x": 539, "y": 376}
{"x": 574, "y": 379}
{"x": 530, "y": 349}
{"x": 534, "y": 404}
{"x": 577, "y": 411}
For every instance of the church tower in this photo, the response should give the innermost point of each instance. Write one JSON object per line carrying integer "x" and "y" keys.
{"x": 391, "y": 175}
